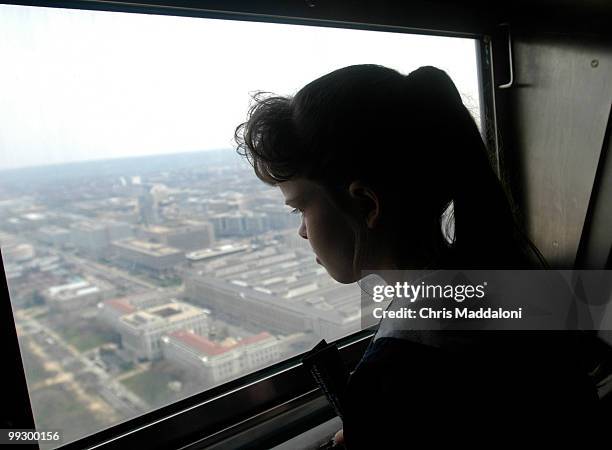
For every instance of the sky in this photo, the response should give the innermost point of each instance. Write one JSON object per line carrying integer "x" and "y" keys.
{"x": 84, "y": 85}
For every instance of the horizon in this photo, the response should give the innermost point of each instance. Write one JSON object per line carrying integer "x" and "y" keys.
{"x": 114, "y": 158}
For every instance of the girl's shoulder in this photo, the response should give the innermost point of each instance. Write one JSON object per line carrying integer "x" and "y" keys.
{"x": 390, "y": 360}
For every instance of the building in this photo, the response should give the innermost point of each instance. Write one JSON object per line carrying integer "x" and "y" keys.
{"x": 151, "y": 256}
{"x": 118, "y": 230}
{"x": 215, "y": 252}
{"x": 78, "y": 295}
{"x": 277, "y": 289}
{"x": 278, "y": 216}
{"x": 54, "y": 235}
{"x": 186, "y": 236}
{"x": 31, "y": 278}
{"x": 239, "y": 223}
{"x": 91, "y": 238}
{"x": 217, "y": 362}
{"x": 95, "y": 238}
{"x": 110, "y": 311}
{"x": 148, "y": 209}
{"x": 141, "y": 330}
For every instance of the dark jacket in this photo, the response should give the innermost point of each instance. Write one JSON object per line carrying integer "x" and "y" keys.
{"x": 501, "y": 388}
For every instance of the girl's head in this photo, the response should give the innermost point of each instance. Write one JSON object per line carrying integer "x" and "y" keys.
{"x": 389, "y": 172}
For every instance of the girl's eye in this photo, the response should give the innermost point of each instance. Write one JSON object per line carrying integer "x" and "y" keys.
{"x": 296, "y": 211}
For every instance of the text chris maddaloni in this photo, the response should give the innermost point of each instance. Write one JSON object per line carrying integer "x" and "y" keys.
{"x": 448, "y": 313}
{"x": 424, "y": 292}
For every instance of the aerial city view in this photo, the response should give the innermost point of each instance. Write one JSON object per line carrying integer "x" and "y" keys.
{"x": 144, "y": 260}
{"x": 136, "y": 282}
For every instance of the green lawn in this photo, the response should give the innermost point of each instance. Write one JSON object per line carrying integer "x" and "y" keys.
{"x": 169, "y": 282}
{"x": 152, "y": 385}
{"x": 55, "y": 408}
{"x": 34, "y": 370}
{"x": 89, "y": 335}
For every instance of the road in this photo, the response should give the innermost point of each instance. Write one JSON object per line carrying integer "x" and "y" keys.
{"x": 103, "y": 270}
{"x": 113, "y": 391}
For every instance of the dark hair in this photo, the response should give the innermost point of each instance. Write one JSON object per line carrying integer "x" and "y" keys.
{"x": 411, "y": 139}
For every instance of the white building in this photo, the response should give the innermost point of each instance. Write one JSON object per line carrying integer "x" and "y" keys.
{"x": 142, "y": 330}
{"x": 216, "y": 362}
{"x": 74, "y": 297}
{"x": 110, "y": 311}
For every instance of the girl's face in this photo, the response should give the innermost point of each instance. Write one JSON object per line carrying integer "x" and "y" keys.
{"x": 327, "y": 229}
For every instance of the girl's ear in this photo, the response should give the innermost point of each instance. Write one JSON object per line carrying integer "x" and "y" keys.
{"x": 366, "y": 201}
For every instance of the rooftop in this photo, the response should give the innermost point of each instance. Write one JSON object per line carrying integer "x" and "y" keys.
{"x": 207, "y": 253}
{"x": 76, "y": 289}
{"x": 210, "y": 348}
{"x": 287, "y": 279}
{"x": 158, "y": 229}
{"x": 167, "y": 313}
{"x": 148, "y": 248}
{"x": 121, "y": 305}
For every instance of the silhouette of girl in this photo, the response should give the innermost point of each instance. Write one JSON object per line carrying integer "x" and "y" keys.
{"x": 390, "y": 172}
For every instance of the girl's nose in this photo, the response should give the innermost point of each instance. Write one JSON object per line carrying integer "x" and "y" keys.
{"x": 302, "y": 230}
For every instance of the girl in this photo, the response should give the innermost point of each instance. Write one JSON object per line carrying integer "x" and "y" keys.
{"x": 390, "y": 172}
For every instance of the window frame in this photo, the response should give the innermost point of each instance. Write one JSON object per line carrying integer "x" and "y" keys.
{"x": 292, "y": 398}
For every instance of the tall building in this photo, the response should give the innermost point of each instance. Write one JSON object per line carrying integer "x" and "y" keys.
{"x": 148, "y": 209}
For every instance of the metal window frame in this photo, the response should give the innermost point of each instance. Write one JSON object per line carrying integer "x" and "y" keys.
{"x": 279, "y": 397}
{"x": 212, "y": 416}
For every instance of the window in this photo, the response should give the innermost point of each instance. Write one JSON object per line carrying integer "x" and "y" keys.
{"x": 140, "y": 250}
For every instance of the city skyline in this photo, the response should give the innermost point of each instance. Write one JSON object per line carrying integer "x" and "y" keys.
{"x": 145, "y": 261}
{"x": 132, "y": 292}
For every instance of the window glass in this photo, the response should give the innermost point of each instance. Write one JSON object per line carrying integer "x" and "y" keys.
{"x": 145, "y": 262}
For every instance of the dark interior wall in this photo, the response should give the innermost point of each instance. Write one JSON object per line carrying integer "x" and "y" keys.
{"x": 595, "y": 250}
{"x": 553, "y": 123}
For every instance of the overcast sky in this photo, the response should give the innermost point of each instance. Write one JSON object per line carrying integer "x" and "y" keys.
{"x": 80, "y": 85}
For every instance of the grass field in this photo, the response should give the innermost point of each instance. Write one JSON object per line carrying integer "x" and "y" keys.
{"x": 55, "y": 408}
{"x": 152, "y": 385}
{"x": 35, "y": 372}
{"x": 87, "y": 336}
